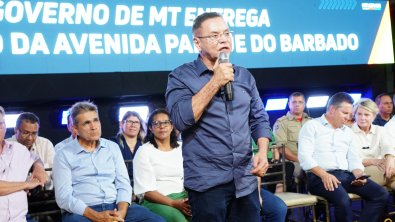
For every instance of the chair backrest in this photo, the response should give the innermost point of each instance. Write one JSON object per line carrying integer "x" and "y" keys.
{"x": 276, "y": 172}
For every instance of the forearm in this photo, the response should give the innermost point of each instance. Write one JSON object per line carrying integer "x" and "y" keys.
{"x": 91, "y": 214}
{"x": 289, "y": 155}
{"x": 203, "y": 98}
{"x": 39, "y": 172}
{"x": 318, "y": 171}
{"x": 263, "y": 145}
{"x": 368, "y": 162}
{"x": 357, "y": 173}
{"x": 389, "y": 157}
{"x": 156, "y": 197}
{"x": 7, "y": 187}
{"x": 122, "y": 209}
{"x": 38, "y": 164}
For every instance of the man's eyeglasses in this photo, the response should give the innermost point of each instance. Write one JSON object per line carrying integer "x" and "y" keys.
{"x": 216, "y": 36}
{"x": 158, "y": 124}
{"x": 26, "y": 134}
{"x": 131, "y": 122}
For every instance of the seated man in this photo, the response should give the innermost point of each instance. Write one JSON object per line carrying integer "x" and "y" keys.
{"x": 328, "y": 152}
{"x": 386, "y": 106}
{"x": 91, "y": 181}
{"x": 15, "y": 163}
{"x": 26, "y": 133}
{"x": 286, "y": 131}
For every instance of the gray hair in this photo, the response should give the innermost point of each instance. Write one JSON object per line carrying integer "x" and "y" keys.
{"x": 82, "y": 107}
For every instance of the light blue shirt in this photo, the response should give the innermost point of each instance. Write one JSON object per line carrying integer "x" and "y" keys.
{"x": 331, "y": 149}
{"x": 62, "y": 143}
{"x": 89, "y": 178}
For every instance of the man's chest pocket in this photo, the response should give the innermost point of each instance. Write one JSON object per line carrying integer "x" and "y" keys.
{"x": 293, "y": 133}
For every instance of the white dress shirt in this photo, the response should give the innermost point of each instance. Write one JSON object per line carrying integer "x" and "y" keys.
{"x": 374, "y": 144}
{"x": 390, "y": 127}
{"x": 331, "y": 149}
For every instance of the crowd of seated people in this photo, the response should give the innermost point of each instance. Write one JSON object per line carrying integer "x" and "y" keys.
{"x": 86, "y": 172}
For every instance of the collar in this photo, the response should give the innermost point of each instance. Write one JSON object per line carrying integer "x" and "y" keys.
{"x": 325, "y": 122}
{"x": 292, "y": 117}
{"x": 201, "y": 68}
{"x": 7, "y": 147}
{"x": 355, "y": 128}
{"x": 77, "y": 148}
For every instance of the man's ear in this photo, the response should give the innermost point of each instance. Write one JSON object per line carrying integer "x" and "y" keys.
{"x": 74, "y": 129}
{"x": 197, "y": 44}
{"x": 332, "y": 109}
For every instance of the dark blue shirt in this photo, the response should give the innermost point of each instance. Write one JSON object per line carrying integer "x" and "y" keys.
{"x": 380, "y": 121}
{"x": 217, "y": 149}
{"x": 127, "y": 154}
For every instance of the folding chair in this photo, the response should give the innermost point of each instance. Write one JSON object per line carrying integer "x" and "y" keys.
{"x": 292, "y": 200}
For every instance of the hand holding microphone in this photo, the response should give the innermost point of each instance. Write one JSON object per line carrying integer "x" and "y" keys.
{"x": 224, "y": 71}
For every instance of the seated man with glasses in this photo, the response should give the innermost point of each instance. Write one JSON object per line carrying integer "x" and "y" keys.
{"x": 26, "y": 132}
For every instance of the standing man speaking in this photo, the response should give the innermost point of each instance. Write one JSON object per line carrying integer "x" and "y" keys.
{"x": 220, "y": 172}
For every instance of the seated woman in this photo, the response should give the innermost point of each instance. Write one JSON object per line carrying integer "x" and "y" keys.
{"x": 158, "y": 170}
{"x": 374, "y": 144}
{"x": 129, "y": 138}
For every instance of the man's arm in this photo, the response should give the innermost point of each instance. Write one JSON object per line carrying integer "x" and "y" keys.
{"x": 330, "y": 181}
{"x": 280, "y": 133}
{"x": 39, "y": 172}
{"x": 306, "y": 147}
{"x": 354, "y": 160}
{"x": 260, "y": 164}
{"x": 7, "y": 187}
{"x": 62, "y": 179}
{"x": 185, "y": 107}
{"x": 289, "y": 155}
{"x": 307, "y": 143}
{"x": 223, "y": 73}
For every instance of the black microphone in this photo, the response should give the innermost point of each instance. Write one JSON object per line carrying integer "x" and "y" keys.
{"x": 224, "y": 58}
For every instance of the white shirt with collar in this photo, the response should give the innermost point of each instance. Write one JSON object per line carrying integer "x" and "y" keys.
{"x": 390, "y": 127}
{"x": 43, "y": 148}
{"x": 331, "y": 149}
{"x": 374, "y": 144}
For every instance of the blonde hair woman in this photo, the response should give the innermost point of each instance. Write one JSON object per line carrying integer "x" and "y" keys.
{"x": 375, "y": 146}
